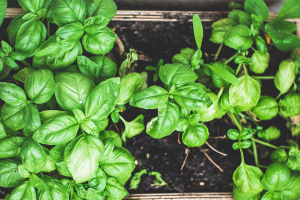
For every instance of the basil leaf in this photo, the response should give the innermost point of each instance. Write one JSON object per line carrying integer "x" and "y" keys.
{"x": 50, "y": 163}
{"x": 11, "y": 63}
{"x": 68, "y": 11}
{"x": 55, "y": 189}
{"x": 224, "y": 22}
{"x": 6, "y": 47}
{"x": 10, "y": 176}
{"x": 240, "y": 17}
{"x": 195, "y": 136}
{"x": 261, "y": 45}
{"x": 102, "y": 100}
{"x": 13, "y": 116}
{"x": 276, "y": 177}
{"x": 62, "y": 169}
{"x": 260, "y": 62}
{"x": 30, "y": 36}
{"x": 209, "y": 113}
{"x": 184, "y": 57}
{"x": 13, "y": 28}
{"x": 93, "y": 25}
{"x": 218, "y": 33}
{"x": 2, "y": 131}
{"x": 86, "y": 193}
{"x": 48, "y": 114}
{"x": 233, "y": 134}
{"x": 165, "y": 123}
{"x": 239, "y": 195}
{"x": 257, "y": 7}
{"x": 108, "y": 148}
{"x": 285, "y": 76}
{"x": 23, "y": 74}
{"x": 224, "y": 103}
{"x": 72, "y": 31}
{"x": 36, "y": 182}
{"x": 172, "y": 74}
{"x": 32, "y": 118}
{"x": 289, "y": 10}
{"x": 119, "y": 162}
{"x": 114, "y": 189}
{"x": 12, "y": 94}
{"x": 24, "y": 191}
{"x": 247, "y": 179}
{"x": 192, "y": 97}
{"x": 198, "y": 30}
{"x": 239, "y": 36}
{"x": 22, "y": 171}
{"x": 3, "y": 7}
{"x": 279, "y": 155}
{"x": 290, "y": 105}
{"x": 98, "y": 181}
{"x": 57, "y": 152}
{"x": 82, "y": 156}
{"x": 72, "y": 90}
{"x": 134, "y": 127}
{"x": 245, "y": 94}
{"x": 293, "y": 161}
{"x": 106, "y": 8}
{"x": 266, "y": 108}
{"x": 33, "y": 162}
{"x": 31, "y": 6}
{"x": 291, "y": 191}
{"x": 101, "y": 124}
{"x": 57, "y": 130}
{"x": 90, "y": 127}
{"x": 108, "y": 133}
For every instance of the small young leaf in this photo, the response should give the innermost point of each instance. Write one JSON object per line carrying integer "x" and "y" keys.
{"x": 6, "y": 47}
{"x": 290, "y": 105}
{"x": 266, "y": 108}
{"x": 260, "y": 62}
{"x": 285, "y": 76}
{"x": 134, "y": 127}
{"x": 198, "y": 30}
{"x": 233, "y": 134}
{"x": 195, "y": 136}
{"x": 239, "y": 36}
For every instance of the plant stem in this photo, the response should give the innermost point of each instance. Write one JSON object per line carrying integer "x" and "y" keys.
{"x": 220, "y": 92}
{"x": 242, "y": 155}
{"x": 48, "y": 28}
{"x": 255, "y": 152}
{"x": 262, "y": 166}
{"x": 238, "y": 69}
{"x": 231, "y": 58}
{"x": 265, "y": 143}
{"x": 25, "y": 63}
{"x": 218, "y": 52}
{"x": 263, "y": 77}
{"x": 278, "y": 96}
{"x": 235, "y": 121}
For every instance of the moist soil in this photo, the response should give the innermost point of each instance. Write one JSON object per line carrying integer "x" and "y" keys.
{"x": 156, "y": 40}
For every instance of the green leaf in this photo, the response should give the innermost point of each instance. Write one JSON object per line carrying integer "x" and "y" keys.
{"x": 82, "y": 156}
{"x": 192, "y": 97}
{"x": 11, "y": 63}
{"x": 136, "y": 179}
{"x": 246, "y": 133}
{"x": 30, "y": 16}
{"x": 68, "y": 11}
{"x": 98, "y": 180}
{"x": 198, "y": 30}
{"x": 48, "y": 114}
{"x": 36, "y": 182}
{"x": 3, "y": 6}
{"x": 165, "y": 123}
{"x": 289, "y": 10}
{"x": 6, "y": 47}
{"x": 260, "y": 62}
{"x": 100, "y": 42}
{"x": 129, "y": 85}
{"x": 290, "y": 190}
{"x": 245, "y": 144}
{"x": 184, "y": 57}
{"x": 114, "y": 189}
{"x": 224, "y": 72}
{"x": 31, "y": 6}
{"x": 2, "y": 131}
{"x": 261, "y": 45}
{"x": 72, "y": 31}
{"x": 195, "y": 136}
{"x": 293, "y": 162}
{"x": 30, "y": 36}
{"x": 101, "y": 124}
{"x": 158, "y": 181}
{"x": 218, "y": 33}
{"x": 266, "y": 108}
{"x": 224, "y": 103}
{"x": 247, "y": 178}
{"x": 233, "y": 134}
{"x": 240, "y": 17}
{"x": 13, "y": 28}
{"x": 22, "y": 171}
{"x": 24, "y": 191}
{"x": 12, "y": 94}
{"x": 209, "y": 113}
{"x": 239, "y": 36}
{"x": 255, "y": 27}
{"x": 10, "y": 175}
{"x": 239, "y": 195}
{"x": 16, "y": 56}
{"x": 280, "y": 30}
{"x": 32, "y": 118}
{"x": 90, "y": 127}
{"x": 223, "y": 22}
{"x": 93, "y": 25}
{"x": 245, "y": 94}
{"x": 285, "y": 76}
{"x": 276, "y": 177}
{"x": 62, "y": 169}
{"x": 279, "y": 155}
{"x": 102, "y": 100}
{"x": 50, "y": 163}
{"x": 290, "y": 105}
{"x": 86, "y": 193}
{"x": 57, "y": 130}
{"x": 33, "y": 162}
{"x": 13, "y": 116}
{"x": 172, "y": 74}
{"x": 257, "y": 7}
{"x": 40, "y": 86}
{"x": 106, "y": 8}
{"x": 55, "y": 189}
{"x": 72, "y": 90}
{"x": 108, "y": 133}
{"x": 57, "y": 152}
{"x": 119, "y": 162}
{"x": 108, "y": 148}
{"x": 150, "y": 98}
{"x": 134, "y": 127}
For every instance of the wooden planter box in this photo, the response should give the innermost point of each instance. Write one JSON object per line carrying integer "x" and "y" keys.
{"x": 168, "y": 16}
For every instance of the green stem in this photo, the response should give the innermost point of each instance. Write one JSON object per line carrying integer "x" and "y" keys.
{"x": 262, "y": 166}
{"x": 218, "y": 52}
{"x": 242, "y": 155}
{"x": 123, "y": 120}
{"x": 220, "y": 92}
{"x": 278, "y": 96}
{"x": 230, "y": 59}
{"x": 265, "y": 143}
{"x": 238, "y": 69}
{"x": 25, "y": 63}
{"x": 48, "y": 28}
{"x": 255, "y": 152}
{"x": 235, "y": 121}
{"x": 263, "y": 77}
{"x": 245, "y": 69}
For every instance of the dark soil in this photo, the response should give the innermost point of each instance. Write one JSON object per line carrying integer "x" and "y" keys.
{"x": 155, "y": 40}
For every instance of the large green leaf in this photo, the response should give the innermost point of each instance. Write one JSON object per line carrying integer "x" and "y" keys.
{"x": 12, "y": 94}
{"x": 10, "y": 176}
{"x": 239, "y": 36}
{"x": 240, "y": 17}
{"x": 14, "y": 27}
{"x": 239, "y": 195}
{"x": 72, "y": 31}
{"x": 166, "y": 122}
{"x": 57, "y": 152}
{"x": 289, "y": 10}
{"x": 184, "y": 57}
{"x": 98, "y": 181}
{"x": 224, "y": 72}
{"x": 195, "y": 136}
{"x": 257, "y": 7}
{"x": 58, "y": 130}
{"x": 260, "y": 62}
{"x": 119, "y": 162}
{"x": 280, "y": 30}
{"x": 13, "y": 116}
{"x": 50, "y": 163}
{"x": 290, "y": 105}
{"x": 40, "y": 86}
{"x": 72, "y": 90}
{"x": 55, "y": 190}
{"x": 32, "y": 118}
{"x": 290, "y": 190}
{"x": 23, "y": 74}
{"x": 33, "y": 156}
{"x": 94, "y": 24}
{"x": 218, "y": 33}
{"x": 266, "y": 108}
{"x": 106, "y": 8}
{"x": 114, "y": 189}
{"x": 3, "y": 6}
{"x": 30, "y": 36}
{"x": 285, "y": 76}
{"x": 82, "y": 156}
{"x": 23, "y": 192}
{"x": 31, "y": 6}
{"x": 48, "y": 114}
{"x": 102, "y": 100}
{"x": 68, "y": 11}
